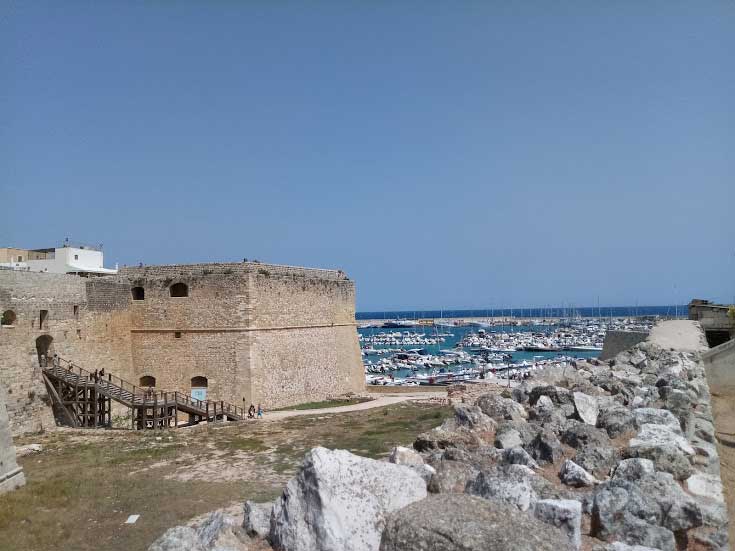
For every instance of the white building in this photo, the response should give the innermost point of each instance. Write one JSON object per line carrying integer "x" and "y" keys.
{"x": 81, "y": 259}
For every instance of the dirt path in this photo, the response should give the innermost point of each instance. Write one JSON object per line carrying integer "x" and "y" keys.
{"x": 379, "y": 401}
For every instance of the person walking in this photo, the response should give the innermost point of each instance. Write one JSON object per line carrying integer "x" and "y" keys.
{"x": 260, "y": 411}
{"x": 251, "y": 412}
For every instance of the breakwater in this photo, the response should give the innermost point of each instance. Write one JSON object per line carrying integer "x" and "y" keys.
{"x": 606, "y": 456}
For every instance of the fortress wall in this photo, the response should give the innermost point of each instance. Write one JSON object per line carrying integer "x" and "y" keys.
{"x": 306, "y": 346}
{"x": 95, "y": 335}
{"x": 200, "y": 335}
{"x": 278, "y": 335}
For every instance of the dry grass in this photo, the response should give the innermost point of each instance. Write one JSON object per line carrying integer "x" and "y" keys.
{"x": 84, "y": 484}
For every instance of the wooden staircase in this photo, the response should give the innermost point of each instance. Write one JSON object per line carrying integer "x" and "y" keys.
{"x": 86, "y": 402}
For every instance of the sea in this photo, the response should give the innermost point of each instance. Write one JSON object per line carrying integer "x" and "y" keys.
{"x": 456, "y": 334}
{"x": 546, "y": 312}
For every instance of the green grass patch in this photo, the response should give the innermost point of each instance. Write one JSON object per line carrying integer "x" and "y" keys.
{"x": 239, "y": 443}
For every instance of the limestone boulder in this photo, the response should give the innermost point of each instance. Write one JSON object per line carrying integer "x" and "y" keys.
{"x": 454, "y": 522}
{"x": 586, "y": 407}
{"x": 511, "y": 484}
{"x": 665, "y": 457}
{"x": 473, "y": 418}
{"x": 654, "y": 416}
{"x": 510, "y": 438}
{"x": 218, "y": 531}
{"x": 339, "y": 502}
{"x": 573, "y": 475}
{"x": 500, "y": 408}
{"x": 257, "y": 519}
{"x": 564, "y": 514}
{"x": 661, "y": 435}
{"x": 451, "y": 477}
{"x": 616, "y": 420}
{"x": 633, "y": 469}
{"x": 545, "y": 447}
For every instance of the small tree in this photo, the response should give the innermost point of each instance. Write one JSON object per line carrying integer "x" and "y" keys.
{"x": 731, "y": 314}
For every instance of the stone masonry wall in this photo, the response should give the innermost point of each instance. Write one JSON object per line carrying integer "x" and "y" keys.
{"x": 85, "y": 323}
{"x": 277, "y": 335}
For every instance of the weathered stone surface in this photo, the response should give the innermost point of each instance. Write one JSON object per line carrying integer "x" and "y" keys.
{"x": 462, "y": 522}
{"x": 413, "y": 460}
{"x": 222, "y": 532}
{"x": 616, "y": 420}
{"x": 527, "y": 431}
{"x": 565, "y": 514}
{"x": 705, "y": 485}
{"x": 451, "y": 477}
{"x": 558, "y": 395}
{"x": 178, "y": 538}
{"x": 573, "y": 475}
{"x": 666, "y": 458}
{"x": 654, "y": 499}
{"x": 339, "y": 501}
{"x": 633, "y": 469}
{"x": 510, "y": 438}
{"x": 653, "y": 416}
{"x": 587, "y": 407}
{"x": 405, "y": 456}
{"x": 500, "y": 408}
{"x": 620, "y": 546}
{"x": 448, "y": 435}
{"x": 661, "y": 435}
{"x": 596, "y": 459}
{"x": 578, "y": 434}
{"x": 511, "y": 484}
{"x": 623, "y": 513}
{"x": 257, "y": 519}
{"x": 518, "y": 456}
{"x": 473, "y": 418}
{"x": 218, "y": 532}
{"x": 545, "y": 448}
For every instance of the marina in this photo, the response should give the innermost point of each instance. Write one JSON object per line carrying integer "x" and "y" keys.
{"x": 444, "y": 351}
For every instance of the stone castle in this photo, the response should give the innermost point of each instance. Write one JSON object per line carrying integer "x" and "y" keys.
{"x": 240, "y": 332}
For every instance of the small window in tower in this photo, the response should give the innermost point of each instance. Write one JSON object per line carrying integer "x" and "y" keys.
{"x": 177, "y": 334}
{"x": 79, "y": 333}
{"x": 42, "y": 319}
{"x": 76, "y": 257}
{"x": 138, "y": 293}
{"x": 179, "y": 290}
{"x": 76, "y": 312}
{"x": 20, "y": 259}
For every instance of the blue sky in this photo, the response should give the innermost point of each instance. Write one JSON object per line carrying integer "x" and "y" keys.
{"x": 447, "y": 154}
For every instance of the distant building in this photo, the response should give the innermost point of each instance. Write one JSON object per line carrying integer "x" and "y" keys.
{"x": 70, "y": 259}
{"x": 714, "y": 318}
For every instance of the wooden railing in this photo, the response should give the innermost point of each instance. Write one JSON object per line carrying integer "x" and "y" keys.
{"x": 141, "y": 396}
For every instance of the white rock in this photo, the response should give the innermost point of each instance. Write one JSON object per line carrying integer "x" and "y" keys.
{"x": 587, "y": 407}
{"x": 339, "y": 502}
{"x": 705, "y": 485}
{"x": 646, "y": 416}
{"x": 405, "y": 456}
{"x": 661, "y": 435}
{"x": 565, "y": 514}
{"x": 572, "y": 474}
{"x": 257, "y": 519}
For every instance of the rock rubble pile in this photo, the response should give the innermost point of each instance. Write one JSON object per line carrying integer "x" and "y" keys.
{"x": 619, "y": 456}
